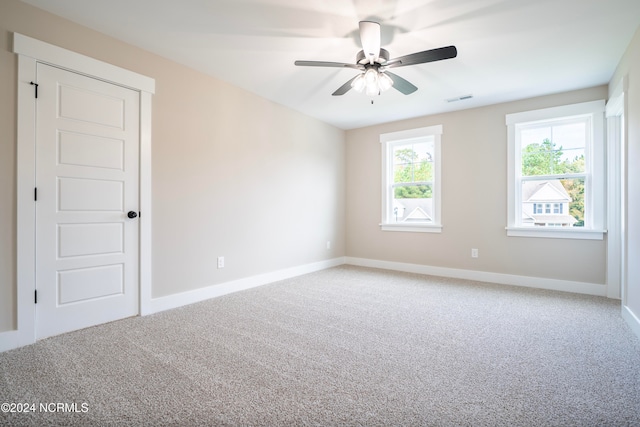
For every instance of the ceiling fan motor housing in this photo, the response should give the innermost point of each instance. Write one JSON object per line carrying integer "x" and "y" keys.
{"x": 382, "y": 57}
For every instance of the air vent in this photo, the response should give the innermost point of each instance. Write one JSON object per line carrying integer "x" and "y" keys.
{"x": 460, "y": 98}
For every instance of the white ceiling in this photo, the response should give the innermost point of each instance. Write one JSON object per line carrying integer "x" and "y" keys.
{"x": 507, "y": 49}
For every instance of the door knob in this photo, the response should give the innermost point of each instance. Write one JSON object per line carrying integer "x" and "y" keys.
{"x": 132, "y": 214}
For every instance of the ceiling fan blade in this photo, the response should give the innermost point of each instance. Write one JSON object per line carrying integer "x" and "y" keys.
{"x": 344, "y": 88}
{"x": 327, "y": 64}
{"x": 424, "y": 56}
{"x": 370, "y": 39}
{"x": 401, "y": 84}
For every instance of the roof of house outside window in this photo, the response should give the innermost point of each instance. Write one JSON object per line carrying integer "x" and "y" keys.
{"x": 409, "y": 210}
{"x": 544, "y": 191}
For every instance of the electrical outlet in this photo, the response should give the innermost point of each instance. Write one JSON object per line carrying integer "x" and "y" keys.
{"x": 220, "y": 262}
{"x": 328, "y": 244}
{"x": 474, "y": 253}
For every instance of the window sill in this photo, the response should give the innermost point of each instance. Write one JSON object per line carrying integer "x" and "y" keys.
{"x": 558, "y": 233}
{"x": 414, "y": 228}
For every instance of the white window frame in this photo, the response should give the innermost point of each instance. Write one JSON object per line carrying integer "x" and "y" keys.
{"x": 388, "y": 141}
{"x": 595, "y": 165}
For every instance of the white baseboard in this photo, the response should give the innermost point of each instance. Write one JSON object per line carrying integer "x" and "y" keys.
{"x": 178, "y": 300}
{"x": 631, "y": 319}
{"x": 485, "y": 276}
{"x": 8, "y": 340}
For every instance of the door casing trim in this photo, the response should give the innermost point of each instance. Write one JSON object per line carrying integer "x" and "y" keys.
{"x": 30, "y": 52}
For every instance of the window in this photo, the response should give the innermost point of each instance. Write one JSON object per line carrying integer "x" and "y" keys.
{"x": 556, "y": 172}
{"x": 411, "y": 180}
{"x": 557, "y": 208}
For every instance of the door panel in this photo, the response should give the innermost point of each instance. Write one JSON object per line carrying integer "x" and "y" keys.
{"x": 77, "y": 149}
{"x": 97, "y": 107}
{"x": 87, "y": 145}
{"x": 90, "y": 239}
{"x": 82, "y": 194}
{"x": 83, "y": 284}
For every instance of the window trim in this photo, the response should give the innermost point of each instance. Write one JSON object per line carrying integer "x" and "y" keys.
{"x": 387, "y": 141}
{"x": 594, "y": 198}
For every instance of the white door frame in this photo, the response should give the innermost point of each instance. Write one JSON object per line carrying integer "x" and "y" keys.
{"x": 30, "y": 52}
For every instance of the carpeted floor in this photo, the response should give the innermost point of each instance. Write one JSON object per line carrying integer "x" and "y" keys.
{"x": 344, "y": 346}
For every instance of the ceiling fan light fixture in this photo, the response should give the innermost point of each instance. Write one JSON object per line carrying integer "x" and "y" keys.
{"x": 384, "y": 82}
{"x": 358, "y": 84}
{"x": 371, "y": 82}
{"x": 371, "y": 77}
{"x": 372, "y": 90}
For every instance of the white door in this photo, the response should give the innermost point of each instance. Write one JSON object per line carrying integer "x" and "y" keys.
{"x": 87, "y": 147}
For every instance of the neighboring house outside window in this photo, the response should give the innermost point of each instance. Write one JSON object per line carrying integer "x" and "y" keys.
{"x": 543, "y": 204}
{"x": 556, "y": 172}
{"x": 411, "y": 180}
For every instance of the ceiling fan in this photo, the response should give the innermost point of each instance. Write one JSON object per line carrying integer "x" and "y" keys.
{"x": 374, "y": 63}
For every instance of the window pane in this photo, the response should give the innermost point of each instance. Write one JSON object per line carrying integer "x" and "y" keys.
{"x": 541, "y": 158}
{"x": 412, "y": 203}
{"x": 575, "y": 188}
{"x": 413, "y": 162}
{"x": 571, "y": 135}
{"x": 571, "y": 140}
{"x": 563, "y": 201}
{"x": 573, "y": 160}
{"x": 403, "y": 172}
{"x": 554, "y": 149}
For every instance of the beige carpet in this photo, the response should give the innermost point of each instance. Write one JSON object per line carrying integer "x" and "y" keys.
{"x": 345, "y": 346}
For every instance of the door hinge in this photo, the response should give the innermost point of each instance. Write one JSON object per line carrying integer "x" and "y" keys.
{"x": 35, "y": 194}
{"x": 36, "y": 85}
{"x": 35, "y": 296}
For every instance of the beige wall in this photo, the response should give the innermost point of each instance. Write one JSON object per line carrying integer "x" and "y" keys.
{"x": 474, "y": 205}
{"x": 629, "y": 67}
{"x": 233, "y": 174}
